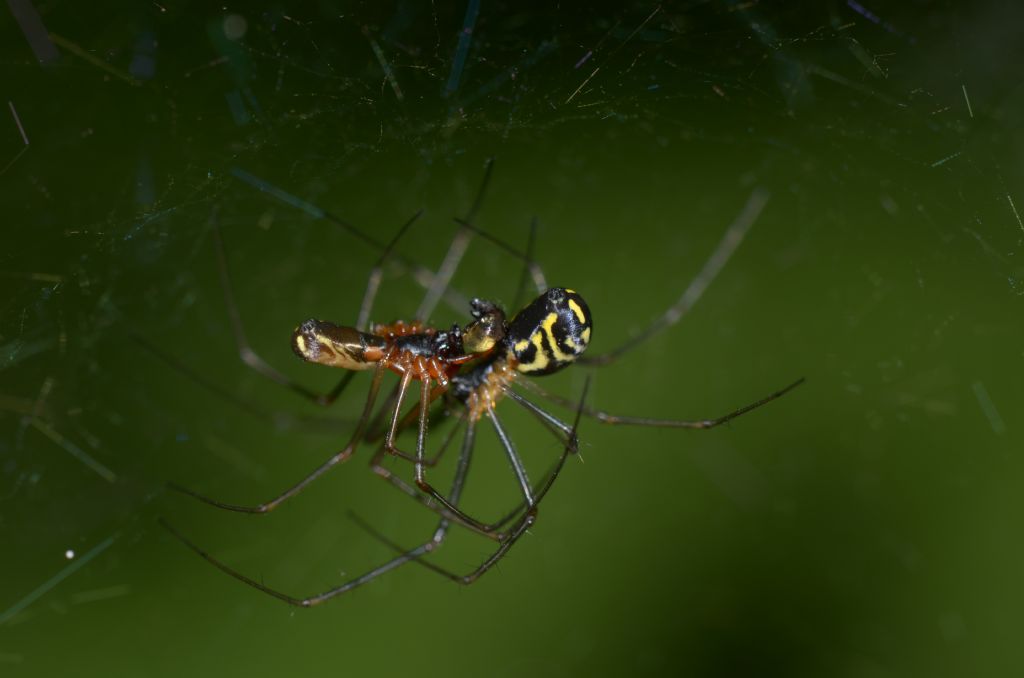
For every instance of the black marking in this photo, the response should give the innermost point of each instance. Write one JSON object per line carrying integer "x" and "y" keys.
{"x": 416, "y": 344}
{"x": 465, "y": 383}
{"x": 562, "y": 338}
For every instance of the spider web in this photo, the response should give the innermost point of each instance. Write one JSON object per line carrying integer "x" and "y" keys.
{"x": 883, "y": 134}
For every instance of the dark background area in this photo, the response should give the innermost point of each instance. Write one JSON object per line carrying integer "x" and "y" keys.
{"x": 867, "y": 524}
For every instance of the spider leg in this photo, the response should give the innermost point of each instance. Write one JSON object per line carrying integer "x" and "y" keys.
{"x": 556, "y": 426}
{"x": 433, "y": 499}
{"x": 441, "y": 531}
{"x": 565, "y": 434}
{"x": 432, "y": 544}
{"x": 423, "y": 276}
{"x": 373, "y": 281}
{"x": 567, "y": 437}
{"x": 253, "y": 360}
{"x": 291, "y": 600}
{"x": 334, "y": 460}
{"x": 257, "y": 362}
{"x": 245, "y": 351}
{"x": 530, "y": 267}
{"x": 562, "y": 431}
{"x": 426, "y": 495}
{"x": 437, "y": 285}
{"x": 727, "y": 245}
{"x": 403, "y": 388}
{"x": 606, "y": 418}
{"x": 520, "y": 528}
{"x": 451, "y": 508}
{"x": 437, "y": 502}
{"x": 513, "y": 457}
{"x": 546, "y": 417}
{"x": 456, "y": 250}
{"x": 377, "y": 428}
{"x": 433, "y": 461}
{"x": 280, "y": 419}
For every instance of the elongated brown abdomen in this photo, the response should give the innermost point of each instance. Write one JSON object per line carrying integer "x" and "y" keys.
{"x": 317, "y": 341}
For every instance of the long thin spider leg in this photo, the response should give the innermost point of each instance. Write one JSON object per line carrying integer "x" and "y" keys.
{"x": 396, "y": 410}
{"x": 456, "y": 250}
{"x": 420, "y": 473}
{"x": 412, "y": 416}
{"x": 530, "y": 269}
{"x": 551, "y": 423}
{"x": 373, "y": 281}
{"x": 567, "y": 437}
{"x": 465, "y": 455}
{"x": 723, "y": 251}
{"x": 438, "y": 505}
{"x": 291, "y": 600}
{"x": 245, "y": 351}
{"x": 308, "y": 208}
{"x": 435, "y": 501}
{"x": 427, "y": 547}
{"x": 570, "y": 442}
{"x": 421, "y": 434}
{"x": 543, "y": 415}
{"x": 521, "y": 527}
{"x": 422, "y": 275}
{"x": 433, "y": 461}
{"x": 427, "y": 495}
{"x": 417, "y": 553}
{"x": 334, "y": 460}
{"x": 427, "y": 488}
{"x": 606, "y": 418}
{"x": 435, "y": 541}
{"x": 377, "y": 428}
{"x": 530, "y": 265}
{"x": 461, "y": 470}
{"x": 437, "y": 285}
{"x": 513, "y": 457}
{"x": 264, "y": 415}
{"x": 559, "y": 429}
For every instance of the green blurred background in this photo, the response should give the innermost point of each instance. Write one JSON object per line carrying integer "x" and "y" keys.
{"x": 868, "y": 524}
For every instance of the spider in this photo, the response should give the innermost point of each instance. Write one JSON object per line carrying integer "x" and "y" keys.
{"x": 471, "y": 368}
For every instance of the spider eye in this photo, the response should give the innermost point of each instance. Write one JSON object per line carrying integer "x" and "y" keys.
{"x": 551, "y": 332}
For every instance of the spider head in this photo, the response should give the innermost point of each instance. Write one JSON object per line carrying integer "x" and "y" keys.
{"x": 550, "y": 332}
{"x": 487, "y": 328}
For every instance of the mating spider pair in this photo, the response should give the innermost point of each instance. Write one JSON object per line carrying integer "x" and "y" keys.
{"x": 471, "y": 369}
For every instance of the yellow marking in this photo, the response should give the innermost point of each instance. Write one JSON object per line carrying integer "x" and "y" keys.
{"x": 300, "y": 341}
{"x": 472, "y": 344}
{"x": 549, "y": 325}
{"x": 578, "y": 311}
{"x": 570, "y": 291}
{"x": 540, "y": 358}
{"x": 334, "y": 353}
{"x": 585, "y": 336}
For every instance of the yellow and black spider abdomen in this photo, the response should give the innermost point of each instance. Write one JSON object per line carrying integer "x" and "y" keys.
{"x": 550, "y": 332}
